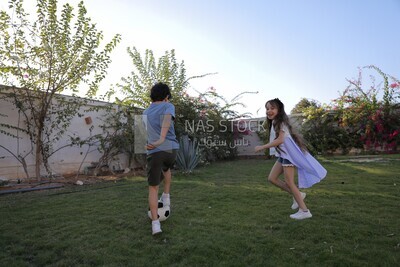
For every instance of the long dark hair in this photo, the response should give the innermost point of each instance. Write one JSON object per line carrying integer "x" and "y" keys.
{"x": 282, "y": 118}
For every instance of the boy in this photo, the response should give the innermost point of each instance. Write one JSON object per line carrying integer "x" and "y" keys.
{"x": 162, "y": 147}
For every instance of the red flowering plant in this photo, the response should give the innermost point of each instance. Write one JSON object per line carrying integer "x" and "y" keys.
{"x": 371, "y": 116}
{"x": 212, "y": 121}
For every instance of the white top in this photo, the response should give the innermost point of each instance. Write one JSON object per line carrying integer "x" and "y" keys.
{"x": 272, "y": 136}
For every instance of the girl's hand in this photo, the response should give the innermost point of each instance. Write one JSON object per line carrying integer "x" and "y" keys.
{"x": 258, "y": 148}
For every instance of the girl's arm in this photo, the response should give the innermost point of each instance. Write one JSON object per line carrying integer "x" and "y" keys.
{"x": 274, "y": 143}
{"x": 164, "y": 130}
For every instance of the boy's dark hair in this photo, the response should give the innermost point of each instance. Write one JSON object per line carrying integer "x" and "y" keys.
{"x": 159, "y": 92}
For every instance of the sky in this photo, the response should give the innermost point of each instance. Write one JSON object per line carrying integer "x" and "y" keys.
{"x": 288, "y": 49}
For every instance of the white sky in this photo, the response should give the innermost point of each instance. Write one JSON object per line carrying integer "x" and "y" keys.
{"x": 288, "y": 49}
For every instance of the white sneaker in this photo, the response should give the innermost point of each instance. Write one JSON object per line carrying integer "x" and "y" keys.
{"x": 295, "y": 206}
{"x": 301, "y": 215}
{"x": 156, "y": 227}
{"x": 165, "y": 200}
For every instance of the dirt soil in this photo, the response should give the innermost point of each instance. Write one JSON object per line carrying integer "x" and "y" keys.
{"x": 24, "y": 185}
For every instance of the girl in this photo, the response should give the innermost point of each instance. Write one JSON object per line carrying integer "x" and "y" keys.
{"x": 291, "y": 152}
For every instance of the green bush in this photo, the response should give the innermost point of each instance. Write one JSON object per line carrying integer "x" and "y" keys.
{"x": 323, "y": 135}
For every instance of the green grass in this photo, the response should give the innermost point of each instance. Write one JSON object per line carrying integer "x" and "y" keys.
{"x": 225, "y": 214}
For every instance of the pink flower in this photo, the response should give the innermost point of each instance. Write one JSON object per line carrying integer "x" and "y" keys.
{"x": 394, "y": 85}
{"x": 379, "y": 127}
{"x": 391, "y": 145}
{"x": 203, "y": 113}
{"x": 368, "y": 143}
{"x": 396, "y": 132}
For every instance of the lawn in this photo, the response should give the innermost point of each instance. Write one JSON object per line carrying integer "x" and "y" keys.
{"x": 224, "y": 214}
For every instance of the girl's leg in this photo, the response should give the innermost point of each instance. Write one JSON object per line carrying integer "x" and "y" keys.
{"x": 153, "y": 201}
{"x": 289, "y": 178}
{"x": 273, "y": 177}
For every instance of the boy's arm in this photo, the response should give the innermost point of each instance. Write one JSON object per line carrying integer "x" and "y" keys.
{"x": 274, "y": 143}
{"x": 164, "y": 130}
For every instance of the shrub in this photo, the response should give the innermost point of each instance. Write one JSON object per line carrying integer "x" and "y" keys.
{"x": 188, "y": 154}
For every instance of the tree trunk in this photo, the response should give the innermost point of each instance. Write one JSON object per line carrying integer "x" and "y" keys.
{"x": 38, "y": 157}
{"x": 25, "y": 166}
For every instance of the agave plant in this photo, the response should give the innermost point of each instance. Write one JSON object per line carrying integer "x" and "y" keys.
{"x": 188, "y": 154}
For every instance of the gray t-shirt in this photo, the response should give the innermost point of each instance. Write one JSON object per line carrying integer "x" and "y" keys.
{"x": 153, "y": 119}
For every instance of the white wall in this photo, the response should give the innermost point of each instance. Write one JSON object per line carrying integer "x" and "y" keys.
{"x": 246, "y": 144}
{"x": 66, "y": 160}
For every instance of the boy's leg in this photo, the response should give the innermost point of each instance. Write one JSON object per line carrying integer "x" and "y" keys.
{"x": 153, "y": 201}
{"x": 169, "y": 161}
{"x": 154, "y": 178}
{"x": 153, "y": 204}
{"x": 273, "y": 177}
{"x": 165, "y": 198}
{"x": 167, "y": 181}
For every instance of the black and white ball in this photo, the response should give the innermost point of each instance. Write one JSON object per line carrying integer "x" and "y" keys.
{"x": 163, "y": 211}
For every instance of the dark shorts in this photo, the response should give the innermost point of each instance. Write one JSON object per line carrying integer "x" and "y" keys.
{"x": 157, "y": 163}
{"x": 285, "y": 162}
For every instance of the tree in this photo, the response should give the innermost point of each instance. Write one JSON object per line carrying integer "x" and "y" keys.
{"x": 55, "y": 54}
{"x": 303, "y": 104}
{"x": 321, "y": 131}
{"x": 147, "y": 71}
{"x": 207, "y": 109}
{"x": 119, "y": 136}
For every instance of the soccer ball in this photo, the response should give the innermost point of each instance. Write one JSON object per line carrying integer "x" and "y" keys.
{"x": 163, "y": 211}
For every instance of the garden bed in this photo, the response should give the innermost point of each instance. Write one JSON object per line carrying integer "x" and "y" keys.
{"x": 21, "y": 186}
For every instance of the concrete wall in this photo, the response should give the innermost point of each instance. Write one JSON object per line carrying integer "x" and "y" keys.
{"x": 66, "y": 160}
{"x": 250, "y": 139}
